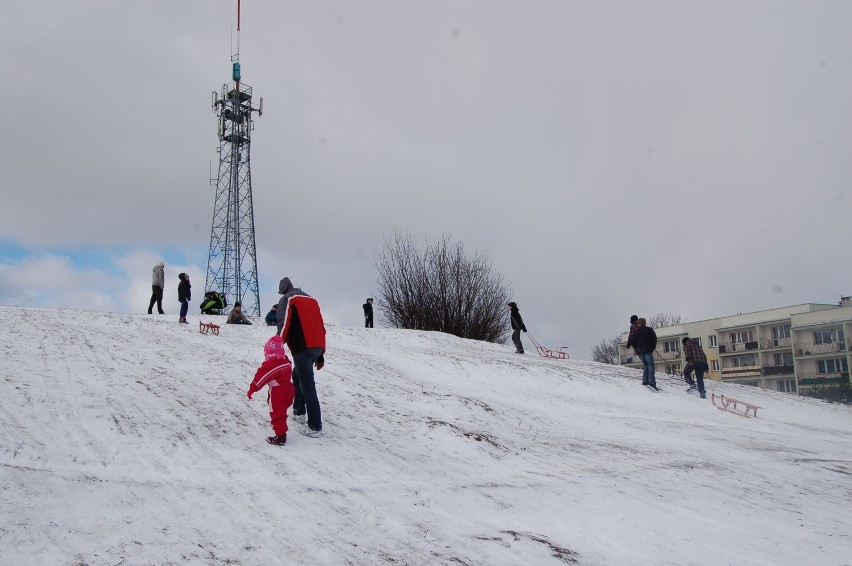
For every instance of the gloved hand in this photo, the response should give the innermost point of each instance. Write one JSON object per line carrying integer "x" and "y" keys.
{"x": 525, "y": 329}
{"x": 250, "y": 392}
{"x": 319, "y": 365}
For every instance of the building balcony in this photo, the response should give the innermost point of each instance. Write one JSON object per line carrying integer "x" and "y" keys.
{"x": 742, "y": 371}
{"x": 667, "y": 356}
{"x": 778, "y": 370}
{"x": 811, "y": 378}
{"x": 802, "y": 349}
{"x": 735, "y": 347}
{"x": 771, "y": 343}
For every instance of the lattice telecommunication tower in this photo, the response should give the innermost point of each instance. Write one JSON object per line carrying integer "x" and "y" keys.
{"x": 232, "y": 261}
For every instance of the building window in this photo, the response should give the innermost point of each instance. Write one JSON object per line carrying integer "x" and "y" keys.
{"x": 714, "y": 365}
{"x": 673, "y": 369}
{"x": 787, "y": 386}
{"x": 671, "y": 346}
{"x": 749, "y": 383}
{"x": 743, "y": 361}
{"x": 828, "y": 336}
{"x": 742, "y": 337}
{"x": 838, "y": 365}
{"x": 712, "y": 341}
{"x": 779, "y": 332}
{"x": 783, "y": 359}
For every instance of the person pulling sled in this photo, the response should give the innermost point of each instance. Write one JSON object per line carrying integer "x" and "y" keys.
{"x": 517, "y": 327}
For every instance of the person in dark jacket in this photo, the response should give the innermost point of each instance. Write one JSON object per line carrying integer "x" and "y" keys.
{"x": 368, "y": 313}
{"x": 158, "y": 282}
{"x": 301, "y": 326}
{"x": 644, "y": 340}
{"x": 634, "y": 324}
{"x": 696, "y": 360}
{"x": 272, "y": 316}
{"x": 517, "y": 326}
{"x": 184, "y": 296}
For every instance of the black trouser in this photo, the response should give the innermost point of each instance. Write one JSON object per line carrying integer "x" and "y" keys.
{"x": 156, "y": 297}
{"x": 368, "y": 321}
{"x": 516, "y": 338}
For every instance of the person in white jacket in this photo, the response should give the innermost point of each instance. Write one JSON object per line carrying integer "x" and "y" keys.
{"x": 158, "y": 281}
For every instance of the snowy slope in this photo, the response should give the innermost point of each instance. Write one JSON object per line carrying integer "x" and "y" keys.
{"x": 128, "y": 439}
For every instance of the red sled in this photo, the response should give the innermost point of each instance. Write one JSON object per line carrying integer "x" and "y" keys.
{"x": 557, "y": 354}
{"x": 208, "y": 328}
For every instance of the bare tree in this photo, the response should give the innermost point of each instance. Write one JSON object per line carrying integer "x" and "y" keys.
{"x": 662, "y": 319}
{"x": 607, "y": 351}
{"x": 440, "y": 288}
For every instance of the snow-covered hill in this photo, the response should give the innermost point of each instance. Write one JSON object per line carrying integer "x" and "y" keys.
{"x": 128, "y": 439}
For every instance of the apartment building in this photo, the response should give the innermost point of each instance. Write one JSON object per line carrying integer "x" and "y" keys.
{"x": 786, "y": 349}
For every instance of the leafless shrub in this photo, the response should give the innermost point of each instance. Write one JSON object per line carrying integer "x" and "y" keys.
{"x": 662, "y": 319}
{"x": 438, "y": 287}
{"x": 607, "y": 351}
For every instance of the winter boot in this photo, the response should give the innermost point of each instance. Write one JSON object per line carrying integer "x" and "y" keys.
{"x": 183, "y": 320}
{"x": 310, "y": 432}
{"x": 301, "y": 419}
{"x": 277, "y": 440}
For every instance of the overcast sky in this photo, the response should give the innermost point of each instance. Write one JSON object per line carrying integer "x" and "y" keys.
{"x": 611, "y": 158}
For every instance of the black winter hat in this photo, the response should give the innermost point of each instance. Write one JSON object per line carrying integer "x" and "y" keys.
{"x": 513, "y": 304}
{"x": 685, "y": 340}
{"x": 633, "y": 319}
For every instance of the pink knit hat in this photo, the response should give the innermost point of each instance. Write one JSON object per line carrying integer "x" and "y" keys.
{"x": 274, "y": 349}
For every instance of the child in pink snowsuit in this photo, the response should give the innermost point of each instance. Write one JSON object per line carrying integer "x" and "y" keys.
{"x": 276, "y": 372}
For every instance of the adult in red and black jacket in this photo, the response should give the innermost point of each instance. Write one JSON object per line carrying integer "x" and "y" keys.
{"x": 301, "y": 326}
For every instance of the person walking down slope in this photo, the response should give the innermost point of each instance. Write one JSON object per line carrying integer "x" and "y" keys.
{"x": 158, "y": 282}
{"x": 275, "y": 371}
{"x": 236, "y": 316}
{"x": 696, "y": 360}
{"x": 184, "y": 296}
{"x": 517, "y": 327}
{"x": 301, "y": 326}
{"x": 368, "y": 313}
{"x": 645, "y": 342}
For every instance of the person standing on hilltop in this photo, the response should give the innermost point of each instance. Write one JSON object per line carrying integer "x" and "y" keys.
{"x": 184, "y": 295}
{"x": 368, "y": 313}
{"x": 634, "y": 324}
{"x": 158, "y": 282}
